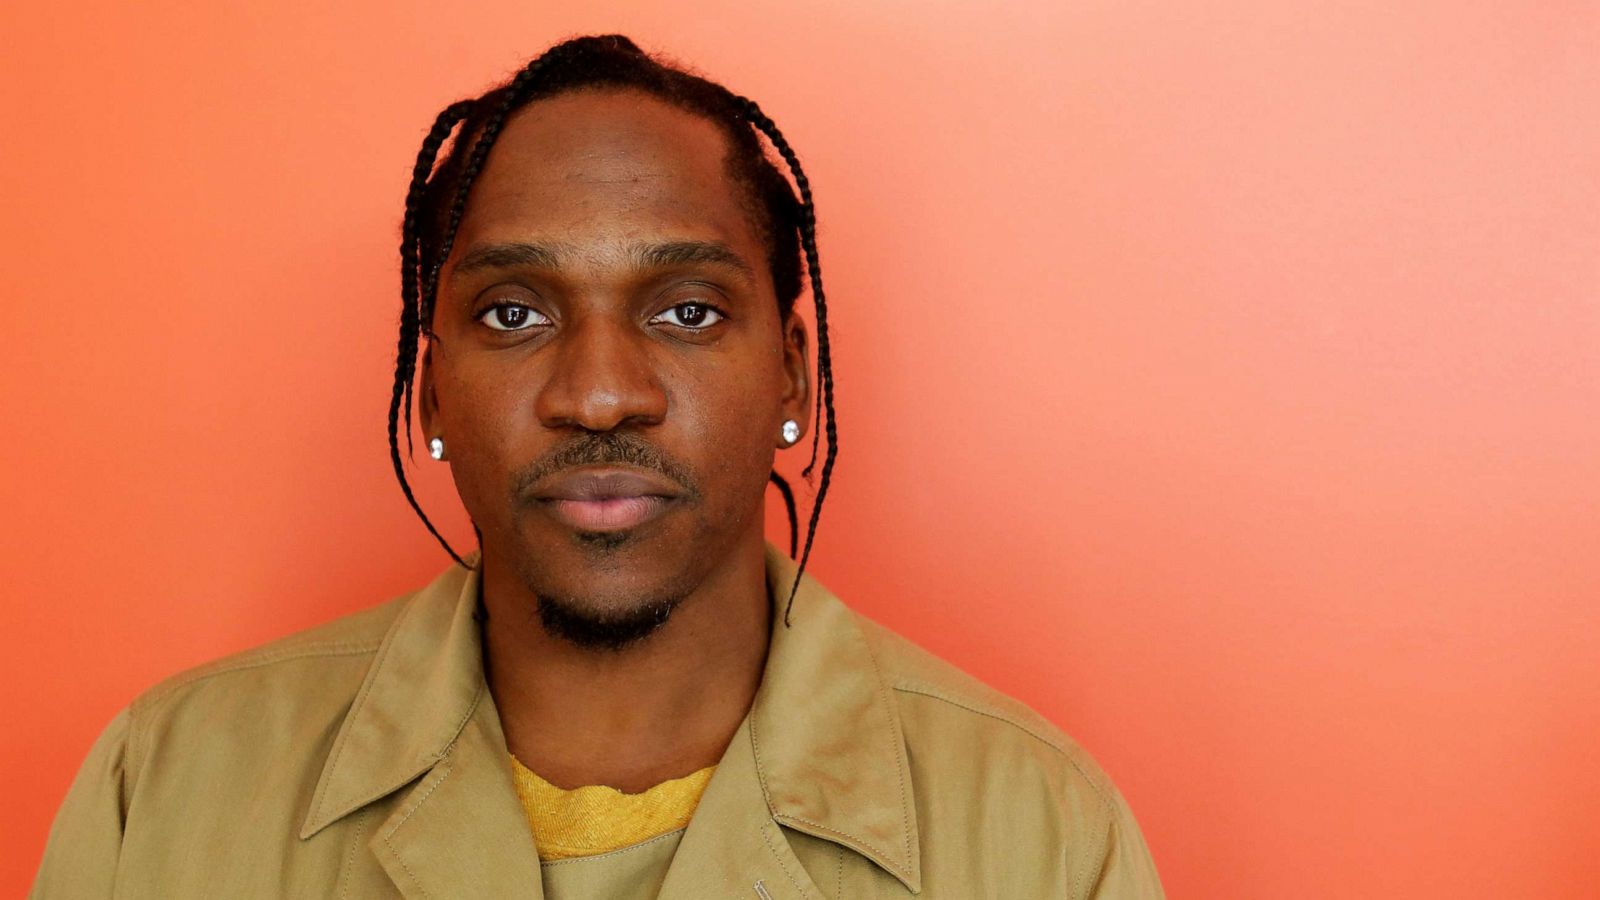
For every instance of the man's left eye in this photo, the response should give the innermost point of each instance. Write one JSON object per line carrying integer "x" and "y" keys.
{"x": 690, "y": 315}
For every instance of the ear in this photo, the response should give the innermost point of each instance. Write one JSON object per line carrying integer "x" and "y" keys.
{"x": 796, "y": 403}
{"x": 427, "y": 399}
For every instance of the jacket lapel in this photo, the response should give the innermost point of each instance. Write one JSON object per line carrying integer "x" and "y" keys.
{"x": 826, "y": 732}
{"x": 733, "y": 844}
{"x": 425, "y": 710}
{"x": 423, "y": 684}
{"x": 821, "y": 751}
{"x": 460, "y": 832}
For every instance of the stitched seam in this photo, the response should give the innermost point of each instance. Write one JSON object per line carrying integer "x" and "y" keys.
{"x": 407, "y": 869}
{"x": 319, "y": 802}
{"x": 766, "y": 836}
{"x": 1106, "y": 806}
{"x": 838, "y": 876}
{"x": 857, "y": 842}
{"x": 1093, "y": 781}
{"x": 152, "y": 703}
{"x": 445, "y": 768}
{"x": 850, "y": 839}
{"x": 394, "y": 851}
{"x": 899, "y": 757}
{"x": 617, "y": 852}
{"x": 483, "y": 687}
{"x": 148, "y": 706}
{"x": 937, "y": 695}
{"x": 390, "y": 788}
{"x": 331, "y": 648}
{"x": 136, "y": 751}
{"x": 1080, "y": 886}
{"x": 350, "y": 858}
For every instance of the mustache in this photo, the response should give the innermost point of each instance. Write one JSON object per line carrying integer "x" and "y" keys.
{"x": 606, "y": 448}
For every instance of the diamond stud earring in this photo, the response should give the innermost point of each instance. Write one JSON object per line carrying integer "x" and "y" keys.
{"x": 436, "y": 448}
{"x": 791, "y": 431}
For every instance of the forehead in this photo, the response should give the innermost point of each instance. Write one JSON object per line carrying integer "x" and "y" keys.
{"x": 606, "y": 168}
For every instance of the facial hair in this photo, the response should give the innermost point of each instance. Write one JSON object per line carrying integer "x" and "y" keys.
{"x": 578, "y": 623}
{"x": 582, "y": 621}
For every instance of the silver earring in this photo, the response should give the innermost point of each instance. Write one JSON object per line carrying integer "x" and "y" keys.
{"x": 436, "y": 448}
{"x": 791, "y": 431}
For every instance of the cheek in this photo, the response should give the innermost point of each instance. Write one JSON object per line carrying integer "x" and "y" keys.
{"x": 729, "y": 420}
{"x": 481, "y": 416}
{"x": 477, "y": 400}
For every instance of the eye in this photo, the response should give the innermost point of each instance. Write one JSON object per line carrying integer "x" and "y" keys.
{"x": 512, "y": 317}
{"x": 694, "y": 316}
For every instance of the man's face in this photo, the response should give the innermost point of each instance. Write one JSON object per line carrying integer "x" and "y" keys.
{"x": 610, "y": 373}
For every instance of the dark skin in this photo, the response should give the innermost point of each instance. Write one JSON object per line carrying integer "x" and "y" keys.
{"x": 645, "y": 310}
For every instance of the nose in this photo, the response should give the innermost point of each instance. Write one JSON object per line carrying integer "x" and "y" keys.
{"x": 603, "y": 378}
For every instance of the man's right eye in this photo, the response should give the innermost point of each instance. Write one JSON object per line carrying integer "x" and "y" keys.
{"x": 512, "y": 317}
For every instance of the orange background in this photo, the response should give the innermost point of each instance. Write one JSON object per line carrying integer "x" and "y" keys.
{"x": 1221, "y": 378}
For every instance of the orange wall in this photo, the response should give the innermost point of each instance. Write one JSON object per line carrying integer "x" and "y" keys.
{"x": 1223, "y": 375}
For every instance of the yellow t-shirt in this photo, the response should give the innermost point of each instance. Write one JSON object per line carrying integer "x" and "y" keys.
{"x": 596, "y": 818}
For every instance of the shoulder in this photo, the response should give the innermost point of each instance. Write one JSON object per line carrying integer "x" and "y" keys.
{"x": 984, "y": 763}
{"x": 965, "y": 725}
{"x": 309, "y": 676}
{"x": 357, "y": 634}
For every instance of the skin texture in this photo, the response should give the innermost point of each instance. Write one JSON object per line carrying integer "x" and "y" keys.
{"x": 602, "y": 365}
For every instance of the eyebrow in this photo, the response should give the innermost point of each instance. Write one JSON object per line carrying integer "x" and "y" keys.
{"x": 508, "y": 256}
{"x": 688, "y": 253}
{"x": 662, "y": 255}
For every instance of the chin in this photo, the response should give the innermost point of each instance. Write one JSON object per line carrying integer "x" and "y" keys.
{"x": 608, "y": 606}
{"x": 605, "y": 573}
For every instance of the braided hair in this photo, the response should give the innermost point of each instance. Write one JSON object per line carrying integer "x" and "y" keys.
{"x": 437, "y": 200}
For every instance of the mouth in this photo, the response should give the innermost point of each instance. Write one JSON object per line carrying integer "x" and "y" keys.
{"x": 609, "y": 514}
{"x": 606, "y": 500}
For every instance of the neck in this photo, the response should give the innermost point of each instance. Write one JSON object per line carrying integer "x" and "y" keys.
{"x": 657, "y": 709}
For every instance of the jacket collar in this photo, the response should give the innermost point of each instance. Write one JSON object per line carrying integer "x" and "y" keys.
{"x": 828, "y": 744}
{"x": 824, "y": 733}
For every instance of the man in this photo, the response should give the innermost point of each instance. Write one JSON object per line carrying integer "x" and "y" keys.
{"x": 625, "y": 692}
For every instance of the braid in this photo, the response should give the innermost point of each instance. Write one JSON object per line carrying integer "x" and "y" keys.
{"x": 808, "y": 242}
{"x": 411, "y": 243}
{"x": 419, "y": 293}
{"x": 410, "y": 315}
{"x": 480, "y": 152}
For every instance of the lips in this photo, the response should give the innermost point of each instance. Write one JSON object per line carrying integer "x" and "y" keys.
{"x": 607, "y": 499}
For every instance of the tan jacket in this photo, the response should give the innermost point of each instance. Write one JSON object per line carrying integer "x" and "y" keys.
{"x": 364, "y": 758}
